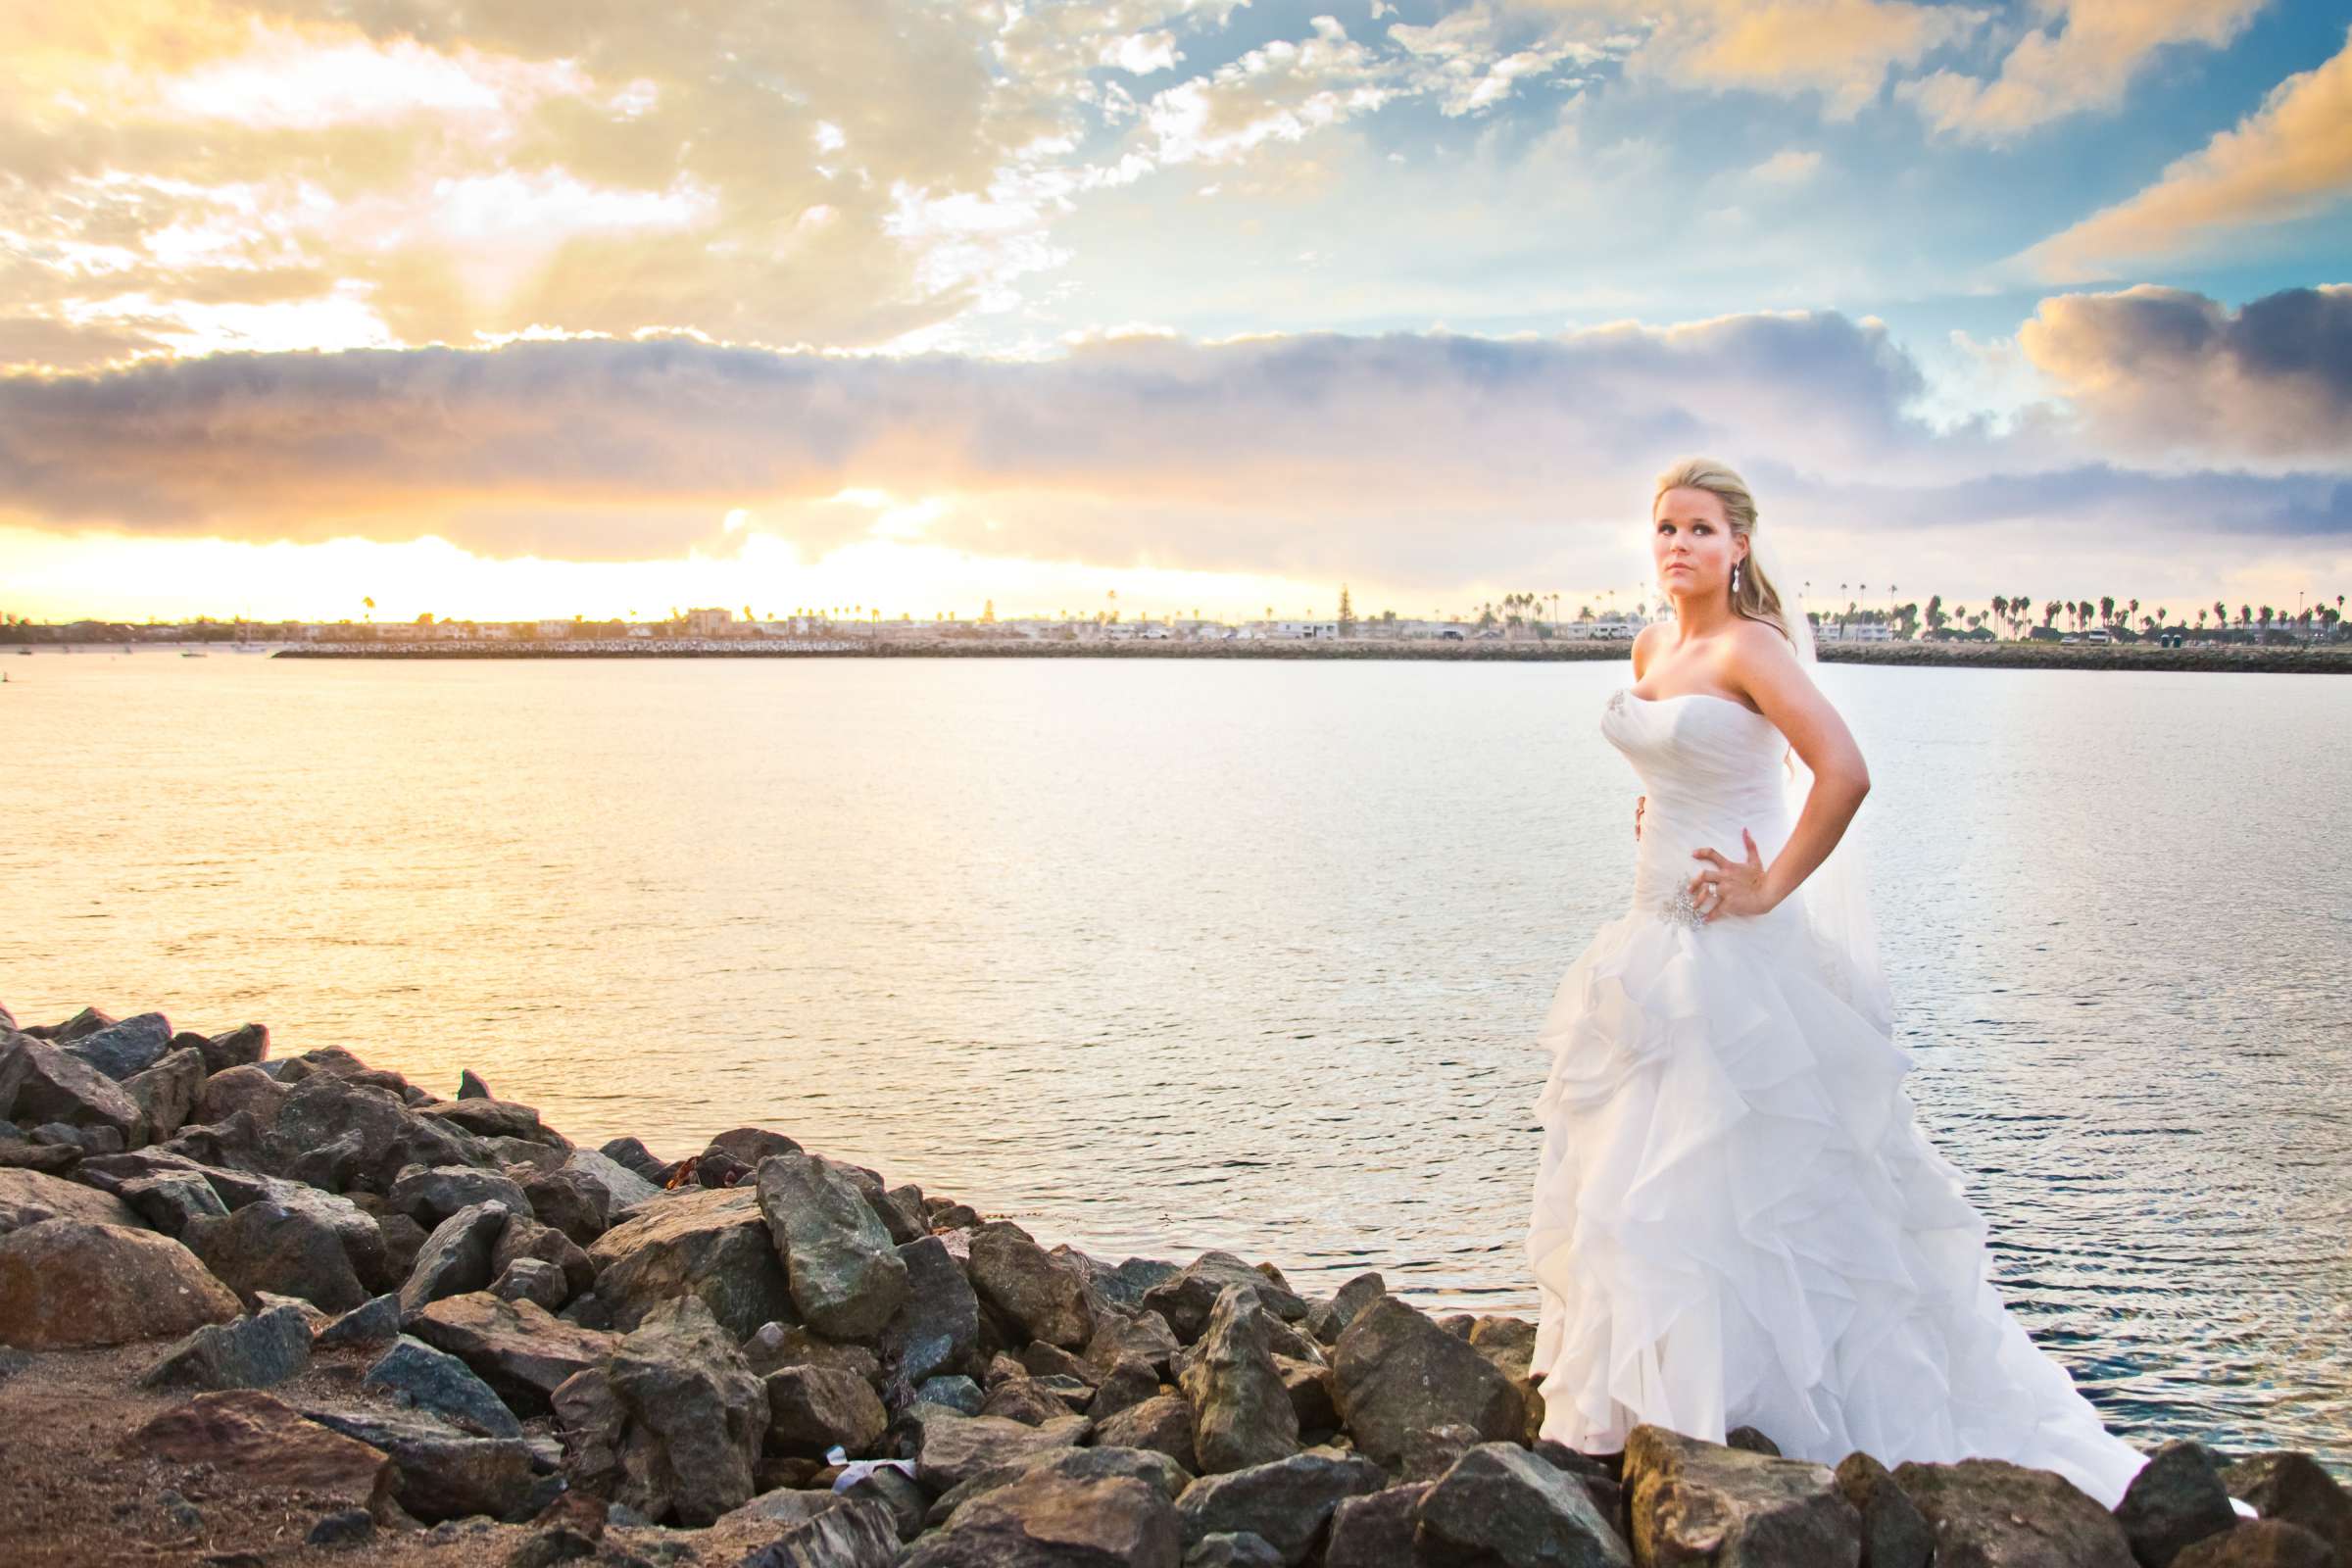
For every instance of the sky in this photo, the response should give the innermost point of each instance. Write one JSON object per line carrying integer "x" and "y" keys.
{"x": 494, "y": 308}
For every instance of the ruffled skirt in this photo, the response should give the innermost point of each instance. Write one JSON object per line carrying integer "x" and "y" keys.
{"x": 1737, "y": 1221}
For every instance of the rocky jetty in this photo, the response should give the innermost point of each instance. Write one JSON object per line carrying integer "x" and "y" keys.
{"x": 760, "y": 1356}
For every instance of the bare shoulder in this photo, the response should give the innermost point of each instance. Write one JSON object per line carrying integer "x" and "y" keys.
{"x": 1757, "y": 658}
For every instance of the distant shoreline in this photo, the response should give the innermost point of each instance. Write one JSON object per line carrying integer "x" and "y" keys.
{"x": 2242, "y": 657}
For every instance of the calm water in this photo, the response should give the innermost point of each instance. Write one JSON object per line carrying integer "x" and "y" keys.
{"x": 1156, "y": 956}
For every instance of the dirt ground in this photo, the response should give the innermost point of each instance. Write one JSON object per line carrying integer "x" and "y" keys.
{"x": 71, "y": 1499}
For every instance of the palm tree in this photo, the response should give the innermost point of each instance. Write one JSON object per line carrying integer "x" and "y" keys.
{"x": 370, "y": 604}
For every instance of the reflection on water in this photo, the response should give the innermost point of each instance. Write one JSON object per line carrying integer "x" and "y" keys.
{"x": 1156, "y": 956}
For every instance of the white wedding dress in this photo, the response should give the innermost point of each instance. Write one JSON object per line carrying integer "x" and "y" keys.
{"x": 1737, "y": 1218}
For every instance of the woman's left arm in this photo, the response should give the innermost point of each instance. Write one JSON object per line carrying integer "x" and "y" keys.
{"x": 1762, "y": 664}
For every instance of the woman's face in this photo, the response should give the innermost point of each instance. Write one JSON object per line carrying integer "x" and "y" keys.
{"x": 1691, "y": 544}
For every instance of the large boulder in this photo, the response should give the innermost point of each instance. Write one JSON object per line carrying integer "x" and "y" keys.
{"x": 839, "y": 1261}
{"x": 524, "y": 1239}
{"x": 261, "y": 1442}
{"x": 1687, "y": 1498}
{"x": 247, "y": 1087}
{"x": 431, "y": 1194}
{"x": 489, "y": 1118}
{"x": 1285, "y": 1501}
{"x": 845, "y": 1533}
{"x": 455, "y": 1260}
{"x": 1043, "y": 1295}
{"x": 938, "y": 1323}
{"x": 67, "y": 1281}
{"x": 624, "y": 1186}
{"x": 438, "y": 1471}
{"x": 40, "y": 1083}
{"x": 29, "y": 1197}
{"x": 2260, "y": 1544}
{"x": 1071, "y": 1463}
{"x": 121, "y": 1050}
{"x": 2002, "y": 1515}
{"x": 698, "y": 1414}
{"x": 713, "y": 1245}
{"x": 416, "y": 1374}
{"x": 1377, "y": 1531}
{"x": 811, "y": 1409}
{"x": 519, "y": 1349}
{"x": 165, "y": 1092}
{"x": 950, "y": 1446}
{"x": 1499, "y": 1504}
{"x": 246, "y": 1352}
{"x": 288, "y": 1252}
{"x": 1163, "y": 1422}
{"x": 1046, "y": 1517}
{"x": 571, "y": 1202}
{"x": 2176, "y": 1500}
{"x": 1895, "y": 1534}
{"x": 1242, "y": 1414}
{"x": 1396, "y": 1373}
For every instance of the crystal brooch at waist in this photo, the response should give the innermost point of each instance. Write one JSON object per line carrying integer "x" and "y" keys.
{"x": 1681, "y": 908}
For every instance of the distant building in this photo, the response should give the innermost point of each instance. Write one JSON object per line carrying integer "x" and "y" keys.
{"x": 709, "y": 622}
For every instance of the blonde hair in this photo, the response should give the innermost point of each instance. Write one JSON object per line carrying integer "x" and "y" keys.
{"x": 1756, "y": 598}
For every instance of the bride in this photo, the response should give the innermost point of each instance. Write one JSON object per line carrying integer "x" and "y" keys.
{"x": 1736, "y": 1221}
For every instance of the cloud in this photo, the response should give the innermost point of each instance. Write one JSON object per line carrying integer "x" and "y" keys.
{"x": 1294, "y": 454}
{"x": 1841, "y": 49}
{"x": 2291, "y": 158}
{"x": 2083, "y": 58}
{"x": 2171, "y": 376}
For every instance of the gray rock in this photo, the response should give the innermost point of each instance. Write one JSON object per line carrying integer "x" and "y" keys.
{"x": 1500, "y": 1504}
{"x": 624, "y": 1187}
{"x": 431, "y": 1196}
{"x": 710, "y": 1245}
{"x": 525, "y": 1238}
{"x": 959, "y": 1393}
{"x": 1288, "y": 1502}
{"x": 345, "y": 1527}
{"x": 40, "y": 1083}
{"x": 268, "y": 1246}
{"x": 487, "y": 1118}
{"x": 938, "y": 1322}
{"x": 172, "y": 1200}
{"x": 1242, "y": 1412}
{"x": 121, "y": 1050}
{"x": 699, "y": 1411}
{"x": 1394, "y": 1372}
{"x": 633, "y": 1155}
{"x": 327, "y": 1103}
{"x": 470, "y": 1087}
{"x": 813, "y": 1409}
{"x": 416, "y": 1374}
{"x": 520, "y": 1350}
{"x": 439, "y": 1472}
{"x": 455, "y": 1260}
{"x": 1377, "y": 1531}
{"x": 88, "y": 1021}
{"x": 1035, "y": 1400}
{"x": 1187, "y": 1298}
{"x": 571, "y": 1202}
{"x": 2176, "y": 1501}
{"x": 1233, "y": 1549}
{"x": 1432, "y": 1451}
{"x": 1044, "y": 1296}
{"x": 375, "y": 1321}
{"x": 245, "y": 1352}
{"x": 1995, "y": 1514}
{"x": 842, "y": 1270}
{"x": 241, "y": 1047}
{"x": 245, "y": 1088}
{"x": 86, "y": 1140}
{"x": 1328, "y": 1320}
{"x": 165, "y": 1092}
{"x": 1895, "y": 1535}
{"x": 950, "y": 1446}
{"x": 532, "y": 1279}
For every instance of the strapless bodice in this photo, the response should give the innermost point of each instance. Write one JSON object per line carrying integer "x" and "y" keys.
{"x": 1710, "y": 766}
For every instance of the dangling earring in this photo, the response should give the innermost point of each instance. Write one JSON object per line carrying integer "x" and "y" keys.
{"x": 1735, "y": 576}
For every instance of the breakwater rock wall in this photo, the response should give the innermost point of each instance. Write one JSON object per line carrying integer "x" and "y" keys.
{"x": 417, "y": 1318}
{"x": 2313, "y": 658}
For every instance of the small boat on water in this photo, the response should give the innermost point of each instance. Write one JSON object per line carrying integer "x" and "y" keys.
{"x": 189, "y": 654}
